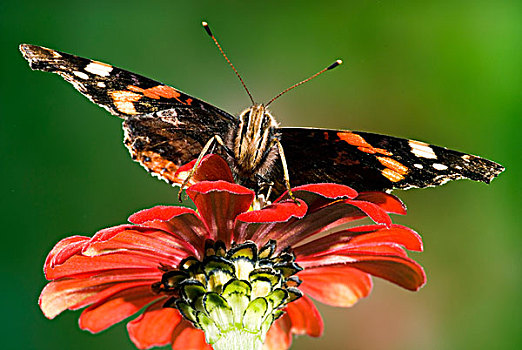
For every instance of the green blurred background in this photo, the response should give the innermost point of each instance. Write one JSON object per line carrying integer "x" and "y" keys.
{"x": 445, "y": 72}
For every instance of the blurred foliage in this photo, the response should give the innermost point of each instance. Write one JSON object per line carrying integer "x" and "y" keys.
{"x": 446, "y": 72}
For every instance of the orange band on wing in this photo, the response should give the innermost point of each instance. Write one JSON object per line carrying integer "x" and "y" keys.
{"x": 391, "y": 175}
{"x": 160, "y": 91}
{"x": 361, "y": 144}
{"x": 393, "y": 165}
{"x": 156, "y": 164}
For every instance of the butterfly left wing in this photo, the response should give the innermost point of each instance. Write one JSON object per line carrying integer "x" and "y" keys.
{"x": 119, "y": 91}
{"x": 164, "y": 127}
{"x": 373, "y": 162}
{"x": 165, "y": 140}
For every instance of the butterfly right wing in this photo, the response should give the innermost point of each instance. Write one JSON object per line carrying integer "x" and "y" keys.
{"x": 373, "y": 162}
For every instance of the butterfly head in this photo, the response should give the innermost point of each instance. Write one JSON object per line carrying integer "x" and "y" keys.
{"x": 253, "y": 143}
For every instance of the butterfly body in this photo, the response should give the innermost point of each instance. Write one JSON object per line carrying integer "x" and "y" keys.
{"x": 255, "y": 142}
{"x": 165, "y": 128}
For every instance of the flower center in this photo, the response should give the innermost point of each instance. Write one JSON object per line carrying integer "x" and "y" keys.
{"x": 242, "y": 290}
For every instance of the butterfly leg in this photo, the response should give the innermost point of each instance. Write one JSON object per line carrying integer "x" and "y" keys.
{"x": 268, "y": 185}
{"x": 263, "y": 183}
{"x": 285, "y": 171}
{"x": 204, "y": 151}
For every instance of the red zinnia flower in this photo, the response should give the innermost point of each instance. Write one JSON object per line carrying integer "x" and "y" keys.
{"x": 171, "y": 254}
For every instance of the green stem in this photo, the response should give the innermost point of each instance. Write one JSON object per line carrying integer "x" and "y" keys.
{"x": 238, "y": 339}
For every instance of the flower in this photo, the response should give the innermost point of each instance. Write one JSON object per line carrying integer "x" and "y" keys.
{"x": 288, "y": 252}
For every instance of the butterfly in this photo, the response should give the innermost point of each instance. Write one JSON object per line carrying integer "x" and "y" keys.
{"x": 165, "y": 128}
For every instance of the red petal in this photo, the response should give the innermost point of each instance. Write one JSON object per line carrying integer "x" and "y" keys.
{"x": 186, "y": 337}
{"x": 259, "y": 233}
{"x": 64, "y": 249}
{"x": 184, "y": 225}
{"x": 372, "y": 249}
{"x": 317, "y": 195}
{"x": 327, "y": 217}
{"x": 249, "y": 225}
{"x": 402, "y": 271}
{"x": 160, "y": 212}
{"x": 119, "y": 247}
{"x": 335, "y": 286}
{"x": 397, "y": 269}
{"x": 361, "y": 235}
{"x": 63, "y": 294}
{"x": 83, "y": 266}
{"x": 211, "y": 168}
{"x": 372, "y": 210}
{"x": 304, "y": 317}
{"x": 104, "y": 314}
{"x": 142, "y": 241}
{"x": 328, "y": 190}
{"x": 388, "y": 202}
{"x": 398, "y": 234}
{"x": 277, "y": 212}
{"x": 109, "y": 284}
{"x": 154, "y": 326}
{"x": 218, "y": 204}
{"x": 279, "y": 336}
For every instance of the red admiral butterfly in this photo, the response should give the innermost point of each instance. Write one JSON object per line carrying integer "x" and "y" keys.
{"x": 166, "y": 128}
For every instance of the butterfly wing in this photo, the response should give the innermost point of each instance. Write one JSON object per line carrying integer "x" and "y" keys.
{"x": 164, "y": 127}
{"x": 163, "y": 141}
{"x": 121, "y": 92}
{"x": 373, "y": 162}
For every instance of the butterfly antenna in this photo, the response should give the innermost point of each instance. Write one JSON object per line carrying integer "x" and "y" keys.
{"x": 209, "y": 32}
{"x": 332, "y": 66}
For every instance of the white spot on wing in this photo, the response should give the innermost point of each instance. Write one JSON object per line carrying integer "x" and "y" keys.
{"x": 101, "y": 84}
{"x": 81, "y": 75}
{"x": 439, "y": 166}
{"x": 419, "y": 166}
{"x": 421, "y": 149}
{"x": 170, "y": 116}
{"x": 99, "y": 68}
{"x": 167, "y": 113}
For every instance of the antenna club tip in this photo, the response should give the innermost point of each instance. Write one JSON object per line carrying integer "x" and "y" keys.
{"x": 335, "y": 64}
{"x": 207, "y": 28}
